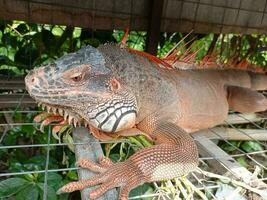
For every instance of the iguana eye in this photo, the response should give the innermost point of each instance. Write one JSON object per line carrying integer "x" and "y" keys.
{"x": 77, "y": 77}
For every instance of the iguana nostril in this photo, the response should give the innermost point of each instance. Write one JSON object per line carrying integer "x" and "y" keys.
{"x": 33, "y": 80}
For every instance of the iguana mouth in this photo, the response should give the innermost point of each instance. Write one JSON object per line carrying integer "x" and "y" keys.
{"x": 69, "y": 116}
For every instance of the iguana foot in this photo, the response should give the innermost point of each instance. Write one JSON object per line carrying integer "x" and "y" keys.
{"x": 47, "y": 118}
{"x": 123, "y": 174}
{"x": 41, "y": 117}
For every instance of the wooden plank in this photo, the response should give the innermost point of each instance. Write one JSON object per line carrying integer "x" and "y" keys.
{"x": 222, "y": 133}
{"x": 12, "y": 79}
{"x": 153, "y": 34}
{"x": 243, "y": 118}
{"x": 12, "y": 86}
{"x": 12, "y": 83}
{"x": 97, "y": 15}
{"x": 91, "y": 150}
{"x": 14, "y": 100}
{"x": 179, "y": 15}
{"x": 225, "y": 163}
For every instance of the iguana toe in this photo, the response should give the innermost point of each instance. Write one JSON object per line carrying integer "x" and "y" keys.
{"x": 122, "y": 174}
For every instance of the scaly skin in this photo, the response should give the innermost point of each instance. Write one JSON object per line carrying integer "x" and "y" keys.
{"x": 117, "y": 93}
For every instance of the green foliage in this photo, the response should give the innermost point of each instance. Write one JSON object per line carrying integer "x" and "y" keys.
{"x": 135, "y": 40}
{"x": 246, "y": 146}
{"x": 31, "y": 187}
{"x": 23, "y": 45}
{"x": 33, "y": 159}
{"x": 167, "y": 42}
{"x": 239, "y": 147}
{"x": 10, "y": 186}
{"x": 251, "y": 146}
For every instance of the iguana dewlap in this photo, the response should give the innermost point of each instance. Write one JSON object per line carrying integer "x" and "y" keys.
{"x": 116, "y": 91}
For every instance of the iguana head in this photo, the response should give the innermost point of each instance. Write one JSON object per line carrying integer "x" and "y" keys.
{"x": 82, "y": 87}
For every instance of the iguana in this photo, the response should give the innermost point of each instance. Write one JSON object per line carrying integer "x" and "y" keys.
{"x": 118, "y": 92}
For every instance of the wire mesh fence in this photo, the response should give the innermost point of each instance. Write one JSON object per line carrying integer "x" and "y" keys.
{"x": 223, "y": 16}
{"x": 213, "y": 158}
{"x": 199, "y": 185}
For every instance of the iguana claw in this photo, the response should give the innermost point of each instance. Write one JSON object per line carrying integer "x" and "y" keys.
{"x": 47, "y": 118}
{"x": 123, "y": 174}
{"x": 40, "y": 117}
{"x": 51, "y": 119}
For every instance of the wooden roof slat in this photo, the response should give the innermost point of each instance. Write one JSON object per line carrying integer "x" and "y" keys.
{"x": 203, "y": 16}
{"x": 16, "y": 100}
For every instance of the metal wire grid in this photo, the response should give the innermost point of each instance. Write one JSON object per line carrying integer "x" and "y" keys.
{"x": 110, "y": 9}
{"x": 202, "y": 184}
{"x": 238, "y": 7}
{"x": 200, "y": 2}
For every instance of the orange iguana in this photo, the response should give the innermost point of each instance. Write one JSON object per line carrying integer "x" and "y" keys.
{"x": 118, "y": 92}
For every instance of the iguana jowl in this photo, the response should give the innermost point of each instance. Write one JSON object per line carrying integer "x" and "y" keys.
{"x": 116, "y": 91}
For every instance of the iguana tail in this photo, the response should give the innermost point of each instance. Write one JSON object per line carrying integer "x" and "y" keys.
{"x": 242, "y": 95}
{"x": 258, "y": 81}
{"x": 242, "y": 78}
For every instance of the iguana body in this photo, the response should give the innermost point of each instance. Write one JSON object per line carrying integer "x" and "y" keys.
{"x": 116, "y": 91}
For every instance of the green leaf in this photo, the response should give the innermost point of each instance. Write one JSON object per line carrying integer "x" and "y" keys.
{"x": 145, "y": 141}
{"x": 56, "y": 136}
{"x": 141, "y": 190}
{"x": 57, "y": 31}
{"x": 29, "y": 177}
{"x": 51, "y": 193}
{"x": 251, "y": 146}
{"x": 3, "y": 52}
{"x": 28, "y": 129}
{"x": 242, "y": 161}
{"x": 109, "y": 147}
{"x": 77, "y": 32}
{"x": 135, "y": 141}
{"x": 64, "y": 128}
{"x": 68, "y": 139}
{"x": 38, "y": 162}
{"x": 230, "y": 148}
{"x": 29, "y": 193}
{"x": 72, "y": 175}
{"x": 11, "y": 186}
{"x": 115, "y": 157}
{"x": 65, "y": 159}
{"x": 53, "y": 180}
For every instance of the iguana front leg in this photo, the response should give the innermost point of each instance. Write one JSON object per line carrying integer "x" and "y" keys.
{"x": 175, "y": 154}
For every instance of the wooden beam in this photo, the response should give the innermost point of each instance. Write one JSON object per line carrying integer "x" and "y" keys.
{"x": 16, "y": 100}
{"x": 11, "y": 83}
{"x": 120, "y": 14}
{"x": 92, "y": 151}
{"x": 243, "y": 118}
{"x": 223, "y": 133}
{"x": 97, "y": 15}
{"x": 153, "y": 34}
